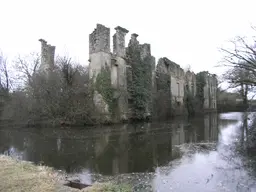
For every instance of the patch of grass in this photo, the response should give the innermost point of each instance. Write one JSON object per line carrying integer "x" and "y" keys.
{"x": 24, "y": 176}
{"x": 17, "y": 176}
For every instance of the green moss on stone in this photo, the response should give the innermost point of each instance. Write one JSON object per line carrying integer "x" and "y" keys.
{"x": 103, "y": 86}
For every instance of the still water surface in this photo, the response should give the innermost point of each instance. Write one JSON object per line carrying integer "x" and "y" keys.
{"x": 181, "y": 155}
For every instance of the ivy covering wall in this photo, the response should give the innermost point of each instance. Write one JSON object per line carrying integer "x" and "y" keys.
{"x": 143, "y": 99}
{"x": 103, "y": 86}
{"x": 163, "y": 99}
{"x": 139, "y": 82}
{"x": 200, "y": 84}
{"x": 189, "y": 100}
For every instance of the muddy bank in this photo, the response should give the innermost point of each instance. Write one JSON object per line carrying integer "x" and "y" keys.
{"x": 18, "y": 175}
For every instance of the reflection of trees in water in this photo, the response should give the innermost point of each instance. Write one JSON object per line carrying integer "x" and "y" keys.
{"x": 110, "y": 150}
{"x": 4, "y": 141}
{"x": 239, "y": 163}
{"x": 205, "y": 129}
{"x": 225, "y": 167}
{"x": 250, "y": 130}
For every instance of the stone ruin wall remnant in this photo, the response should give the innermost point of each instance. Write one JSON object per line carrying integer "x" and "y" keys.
{"x": 190, "y": 82}
{"x": 176, "y": 80}
{"x": 210, "y": 91}
{"x": 99, "y": 50}
{"x": 101, "y": 57}
{"x": 47, "y": 56}
{"x": 99, "y": 39}
{"x": 119, "y": 71}
{"x": 119, "y": 42}
{"x": 213, "y": 83}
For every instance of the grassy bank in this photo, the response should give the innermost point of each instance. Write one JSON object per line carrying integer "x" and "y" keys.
{"x": 16, "y": 176}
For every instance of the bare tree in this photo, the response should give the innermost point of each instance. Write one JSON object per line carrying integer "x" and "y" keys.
{"x": 242, "y": 80}
{"x": 68, "y": 69}
{"x": 5, "y": 77}
{"x": 27, "y": 66}
{"x": 60, "y": 96}
{"x": 242, "y": 55}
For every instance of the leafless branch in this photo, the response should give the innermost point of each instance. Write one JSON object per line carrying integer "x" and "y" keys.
{"x": 6, "y": 81}
{"x": 27, "y": 66}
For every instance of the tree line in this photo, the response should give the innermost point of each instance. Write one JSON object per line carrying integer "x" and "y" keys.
{"x": 31, "y": 97}
{"x": 65, "y": 95}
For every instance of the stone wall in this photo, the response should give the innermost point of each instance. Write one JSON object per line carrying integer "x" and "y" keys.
{"x": 177, "y": 82}
{"x": 100, "y": 62}
{"x": 213, "y": 91}
{"x": 163, "y": 99}
{"x": 209, "y": 91}
{"x": 118, "y": 71}
{"x": 131, "y": 81}
{"x": 47, "y": 56}
{"x": 99, "y": 40}
{"x": 99, "y": 50}
{"x": 119, "y": 41}
{"x": 141, "y": 64}
{"x": 101, "y": 58}
{"x": 190, "y": 82}
{"x": 133, "y": 70}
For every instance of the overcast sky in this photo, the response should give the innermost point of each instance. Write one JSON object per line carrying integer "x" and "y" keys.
{"x": 187, "y": 32}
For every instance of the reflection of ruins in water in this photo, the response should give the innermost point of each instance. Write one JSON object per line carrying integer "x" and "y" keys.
{"x": 210, "y": 127}
{"x": 110, "y": 150}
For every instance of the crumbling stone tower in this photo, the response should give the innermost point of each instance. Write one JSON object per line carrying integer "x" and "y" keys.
{"x": 209, "y": 82}
{"x": 119, "y": 42}
{"x": 118, "y": 58}
{"x": 149, "y": 60}
{"x": 99, "y": 50}
{"x": 103, "y": 61}
{"x": 119, "y": 71}
{"x": 47, "y": 56}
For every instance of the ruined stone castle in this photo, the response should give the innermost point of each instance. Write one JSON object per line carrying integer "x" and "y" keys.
{"x": 47, "y": 56}
{"x": 127, "y": 82}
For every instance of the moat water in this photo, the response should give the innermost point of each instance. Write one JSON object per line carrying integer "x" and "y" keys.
{"x": 199, "y": 154}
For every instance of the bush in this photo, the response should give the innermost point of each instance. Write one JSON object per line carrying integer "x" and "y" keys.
{"x": 61, "y": 96}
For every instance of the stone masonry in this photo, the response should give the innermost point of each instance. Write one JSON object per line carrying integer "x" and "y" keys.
{"x": 210, "y": 91}
{"x": 118, "y": 72}
{"x": 101, "y": 57}
{"x": 119, "y": 42}
{"x": 167, "y": 79}
{"x": 145, "y": 61}
{"x": 190, "y": 82}
{"x": 99, "y": 50}
{"x": 47, "y": 56}
{"x": 177, "y": 82}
